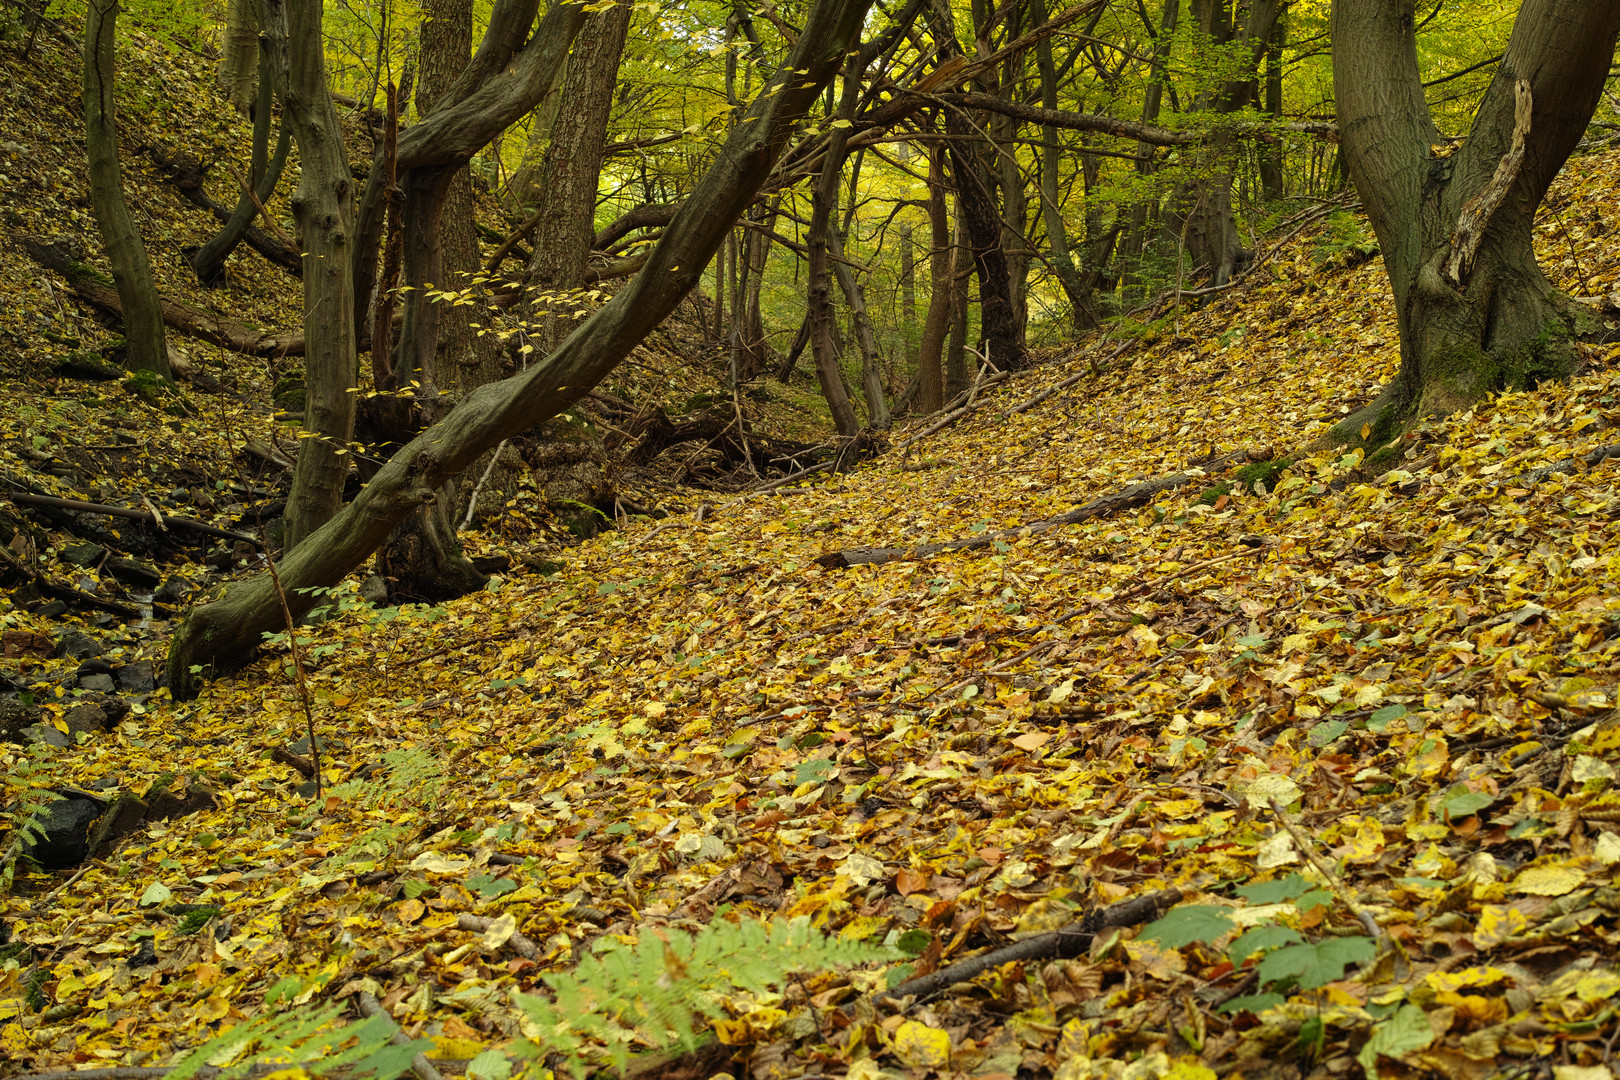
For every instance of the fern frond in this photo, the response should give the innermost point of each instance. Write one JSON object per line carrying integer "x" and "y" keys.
{"x": 310, "y": 1038}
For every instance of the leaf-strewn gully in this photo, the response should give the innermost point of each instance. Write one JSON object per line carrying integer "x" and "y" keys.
{"x": 1399, "y": 685}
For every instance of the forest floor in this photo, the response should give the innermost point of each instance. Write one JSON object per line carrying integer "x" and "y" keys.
{"x": 1361, "y": 726}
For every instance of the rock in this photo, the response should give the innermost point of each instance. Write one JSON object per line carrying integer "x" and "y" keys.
{"x": 86, "y": 717}
{"x": 172, "y": 591}
{"x": 134, "y": 572}
{"x": 15, "y": 644}
{"x": 66, "y": 825}
{"x": 92, "y": 367}
{"x": 94, "y": 665}
{"x": 164, "y": 803}
{"x": 137, "y": 677}
{"x": 113, "y": 707}
{"x": 14, "y": 717}
{"x": 46, "y": 735}
{"x": 83, "y": 556}
{"x": 374, "y": 590}
{"x": 53, "y": 610}
{"x": 102, "y": 683}
{"x": 76, "y": 645}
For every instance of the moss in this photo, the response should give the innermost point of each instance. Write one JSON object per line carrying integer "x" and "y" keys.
{"x": 78, "y": 271}
{"x": 1266, "y": 472}
{"x": 148, "y": 386}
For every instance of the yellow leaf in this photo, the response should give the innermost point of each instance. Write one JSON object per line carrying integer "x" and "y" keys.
{"x": 1030, "y": 741}
{"x": 1497, "y": 923}
{"x": 1549, "y": 880}
{"x": 921, "y": 1046}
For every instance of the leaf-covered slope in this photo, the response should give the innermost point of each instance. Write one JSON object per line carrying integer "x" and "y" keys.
{"x": 1417, "y": 667}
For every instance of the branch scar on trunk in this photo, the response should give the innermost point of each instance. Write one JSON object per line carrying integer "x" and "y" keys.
{"x": 1476, "y": 215}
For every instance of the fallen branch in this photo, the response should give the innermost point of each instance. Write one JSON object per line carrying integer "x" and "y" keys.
{"x": 22, "y": 498}
{"x": 420, "y": 1066}
{"x": 1568, "y": 465}
{"x": 1071, "y": 940}
{"x": 1103, "y": 506}
{"x": 521, "y": 945}
{"x": 65, "y": 593}
{"x": 954, "y": 415}
{"x": 88, "y": 285}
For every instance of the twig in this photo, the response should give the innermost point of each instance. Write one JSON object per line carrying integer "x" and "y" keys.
{"x": 23, "y": 498}
{"x": 521, "y": 945}
{"x": 1307, "y": 849}
{"x": 1071, "y": 940}
{"x": 420, "y": 1066}
{"x": 298, "y": 665}
{"x": 472, "y": 500}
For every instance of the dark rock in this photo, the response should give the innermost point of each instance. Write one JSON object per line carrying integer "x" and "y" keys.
{"x": 66, "y": 827}
{"x": 53, "y": 610}
{"x": 83, "y": 555}
{"x": 128, "y": 816}
{"x": 374, "y": 590}
{"x": 102, "y": 683}
{"x": 172, "y": 591}
{"x": 134, "y": 572}
{"x": 46, "y": 735}
{"x": 92, "y": 367}
{"x": 87, "y": 717}
{"x": 137, "y": 677}
{"x": 145, "y": 954}
{"x": 78, "y": 646}
{"x": 164, "y": 803}
{"x": 94, "y": 665}
{"x": 14, "y": 717}
{"x": 113, "y": 707}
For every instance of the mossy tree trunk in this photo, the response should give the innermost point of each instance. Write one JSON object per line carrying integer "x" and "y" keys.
{"x": 148, "y": 349}
{"x": 1476, "y": 314}
{"x": 222, "y": 634}
{"x": 818, "y": 293}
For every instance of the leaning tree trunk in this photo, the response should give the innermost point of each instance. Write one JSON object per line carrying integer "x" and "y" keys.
{"x": 1476, "y": 314}
{"x": 981, "y": 221}
{"x": 224, "y": 633}
{"x": 323, "y": 207}
{"x": 147, "y": 348}
{"x": 877, "y": 405}
{"x": 208, "y": 261}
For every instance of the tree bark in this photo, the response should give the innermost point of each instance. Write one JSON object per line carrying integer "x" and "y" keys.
{"x": 146, "y": 347}
{"x": 941, "y": 290}
{"x": 323, "y": 207}
{"x": 1475, "y": 312}
{"x": 239, "y": 54}
{"x": 877, "y": 405}
{"x": 224, "y": 633}
{"x": 570, "y": 171}
{"x": 981, "y": 223}
{"x": 823, "y": 202}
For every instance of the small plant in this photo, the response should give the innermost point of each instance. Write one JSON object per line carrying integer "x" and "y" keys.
{"x": 1345, "y": 242}
{"x": 1287, "y": 962}
{"x": 408, "y": 778}
{"x": 25, "y": 801}
{"x": 311, "y": 1039}
{"x": 656, "y": 990}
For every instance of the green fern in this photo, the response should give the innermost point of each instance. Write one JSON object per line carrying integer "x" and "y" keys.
{"x": 412, "y": 778}
{"x": 311, "y": 1038}
{"x": 27, "y": 816}
{"x": 667, "y": 981}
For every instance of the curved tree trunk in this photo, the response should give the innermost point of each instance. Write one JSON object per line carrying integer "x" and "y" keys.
{"x": 323, "y": 206}
{"x": 1476, "y": 314}
{"x": 132, "y": 273}
{"x": 877, "y": 405}
{"x": 208, "y": 261}
{"x": 224, "y": 633}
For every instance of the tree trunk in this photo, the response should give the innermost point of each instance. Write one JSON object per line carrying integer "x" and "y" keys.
{"x": 1271, "y": 155}
{"x": 239, "y": 54}
{"x": 570, "y": 171}
{"x": 208, "y": 261}
{"x": 1476, "y": 314}
{"x": 941, "y": 290}
{"x": 323, "y": 207}
{"x": 877, "y": 406}
{"x": 956, "y": 368}
{"x": 1082, "y": 306}
{"x": 222, "y": 634}
{"x": 981, "y": 223}
{"x": 823, "y": 203}
{"x": 147, "y": 350}
{"x": 908, "y": 297}
{"x": 1134, "y": 243}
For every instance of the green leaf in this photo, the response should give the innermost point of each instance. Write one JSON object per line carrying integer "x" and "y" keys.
{"x": 1384, "y": 717}
{"x": 490, "y": 1065}
{"x": 1253, "y": 1003}
{"x": 1402, "y": 1033}
{"x": 1322, "y": 734}
{"x": 1262, "y": 939}
{"x": 1460, "y": 803}
{"x": 1189, "y": 923}
{"x": 914, "y": 941}
{"x": 1274, "y": 892}
{"x": 815, "y": 771}
{"x": 1316, "y": 965}
{"x": 486, "y": 885}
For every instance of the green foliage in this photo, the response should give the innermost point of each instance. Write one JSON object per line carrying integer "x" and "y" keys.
{"x": 408, "y": 778}
{"x": 312, "y": 1038}
{"x": 654, "y": 991}
{"x": 1345, "y": 242}
{"x": 25, "y": 798}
